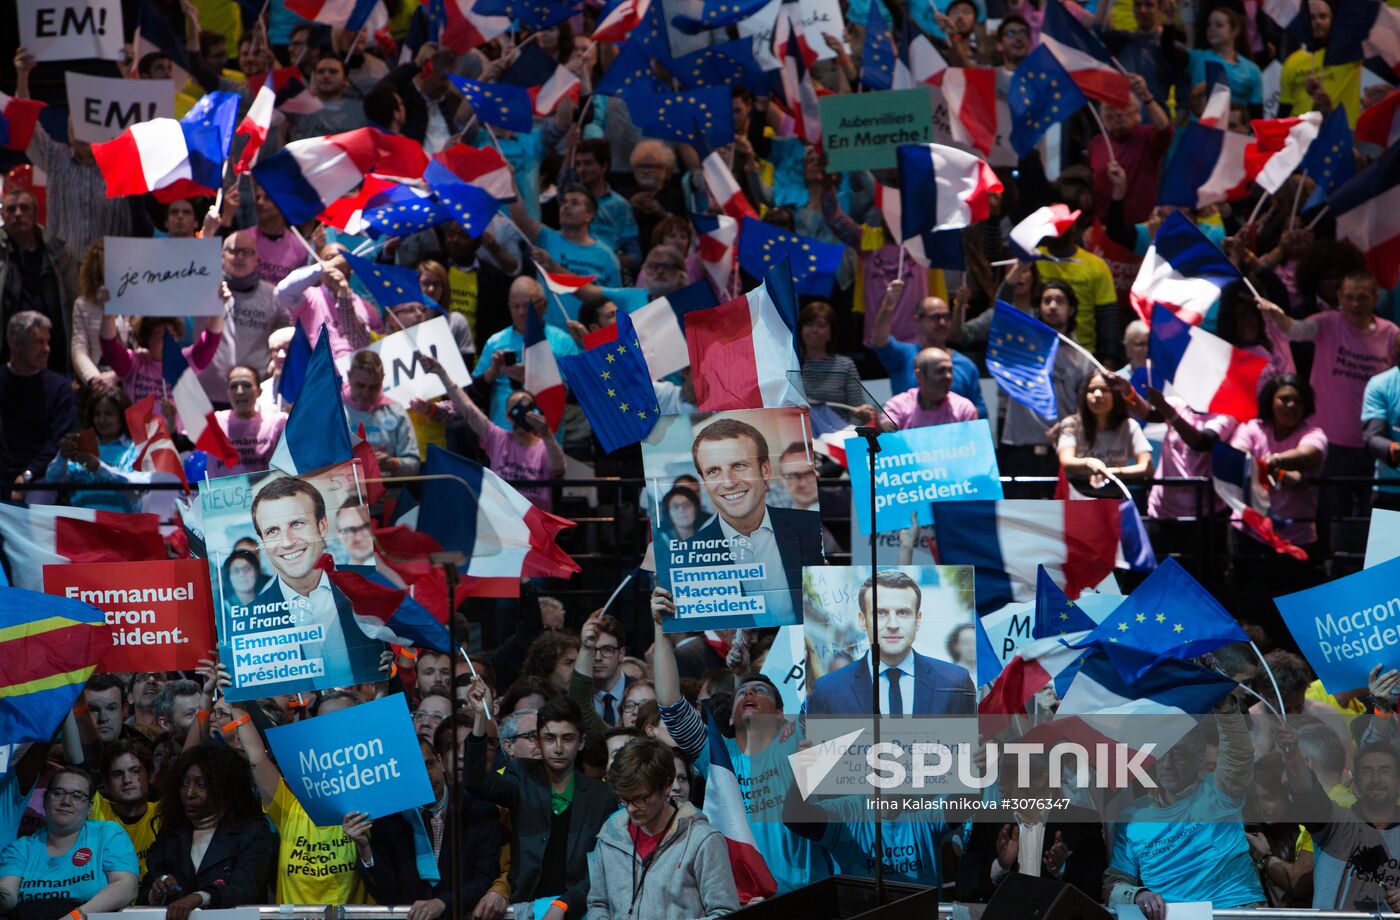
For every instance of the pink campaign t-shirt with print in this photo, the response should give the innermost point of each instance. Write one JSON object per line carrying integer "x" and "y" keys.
{"x": 1179, "y": 461}
{"x": 1256, "y": 438}
{"x": 277, "y": 258}
{"x": 254, "y": 438}
{"x": 1343, "y": 360}
{"x": 511, "y": 461}
{"x": 904, "y": 410}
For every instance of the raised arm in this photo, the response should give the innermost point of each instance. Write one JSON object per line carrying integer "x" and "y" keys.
{"x": 476, "y": 419}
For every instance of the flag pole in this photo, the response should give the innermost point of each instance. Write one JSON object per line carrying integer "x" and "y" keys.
{"x": 305, "y": 245}
{"x": 899, "y": 266}
{"x": 1085, "y": 352}
{"x": 1104, "y": 129}
{"x": 1313, "y": 223}
{"x": 1297, "y": 197}
{"x": 1269, "y": 671}
{"x": 1258, "y": 206}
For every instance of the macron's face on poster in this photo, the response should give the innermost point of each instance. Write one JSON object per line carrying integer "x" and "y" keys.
{"x": 897, "y": 621}
{"x": 736, "y": 481}
{"x": 293, "y": 537}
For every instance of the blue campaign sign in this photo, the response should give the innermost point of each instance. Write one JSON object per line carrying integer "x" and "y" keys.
{"x": 1346, "y": 627}
{"x": 919, "y": 466}
{"x": 365, "y": 758}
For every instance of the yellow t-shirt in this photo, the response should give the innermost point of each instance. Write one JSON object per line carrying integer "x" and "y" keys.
{"x": 1093, "y": 284}
{"x": 316, "y": 865}
{"x": 1342, "y": 82}
{"x": 222, "y": 17}
{"x": 141, "y": 831}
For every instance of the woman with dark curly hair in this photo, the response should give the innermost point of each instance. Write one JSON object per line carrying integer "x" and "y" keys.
{"x": 213, "y": 846}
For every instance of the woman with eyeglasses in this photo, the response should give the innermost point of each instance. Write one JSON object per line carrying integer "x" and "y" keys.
{"x": 72, "y": 866}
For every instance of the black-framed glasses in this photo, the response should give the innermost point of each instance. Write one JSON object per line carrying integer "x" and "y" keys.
{"x": 76, "y": 795}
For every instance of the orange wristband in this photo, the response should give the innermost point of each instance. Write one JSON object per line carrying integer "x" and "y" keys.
{"x": 233, "y": 726}
{"x": 1380, "y": 714}
{"x": 559, "y": 904}
{"x": 203, "y": 715}
{"x": 408, "y": 652}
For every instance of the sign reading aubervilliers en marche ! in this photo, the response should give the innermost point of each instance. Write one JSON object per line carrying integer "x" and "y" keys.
{"x": 863, "y": 130}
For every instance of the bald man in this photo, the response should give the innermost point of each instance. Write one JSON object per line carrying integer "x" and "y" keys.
{"x": 251, "y": 314}
{"x": 525, "y": 294}
{"x": 933, "y": 401}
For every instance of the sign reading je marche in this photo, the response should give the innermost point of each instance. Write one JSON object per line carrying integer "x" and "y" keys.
{"x": 863, "y": 130}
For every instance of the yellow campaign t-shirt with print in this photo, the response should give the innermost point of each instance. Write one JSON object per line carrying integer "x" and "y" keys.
{"x": 1092, "y": 281}
{"x": 1342, "y": 83}
{"x": 315, "y": 865}
{"x": 141, "y": 831}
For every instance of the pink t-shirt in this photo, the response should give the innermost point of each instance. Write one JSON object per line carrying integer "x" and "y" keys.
{"x": 1342, "y": 363}
{"x": 1279, "y": 354}
{"x": 904, "y": 410}
{"x": 1256, "y": 438}
{"x": 1179, "y": 462}
{"x": 318, "y": 310}
{"x": 277, "y": 258}
{"x": 510, "y": 461}
{"x": 879, "y": 267}
{"x": 254, "y": 438}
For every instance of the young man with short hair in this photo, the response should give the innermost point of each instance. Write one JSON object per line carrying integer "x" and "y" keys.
{"x": 124, "y": 789}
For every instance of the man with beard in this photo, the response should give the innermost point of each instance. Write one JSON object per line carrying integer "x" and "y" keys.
{"x": 339, "y": 112}
{"x": 251, "y": 313}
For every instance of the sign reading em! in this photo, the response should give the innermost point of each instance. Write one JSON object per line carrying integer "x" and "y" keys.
{"x": 71, "y": 30}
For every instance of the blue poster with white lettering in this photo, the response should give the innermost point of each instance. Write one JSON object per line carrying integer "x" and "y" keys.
{"x": 919, "y": 466}
{"x": 365, "y": 758}
{"x": 1346, "y": 627}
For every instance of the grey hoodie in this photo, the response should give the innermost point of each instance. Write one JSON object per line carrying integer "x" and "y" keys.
{"x": 688, "y": 876}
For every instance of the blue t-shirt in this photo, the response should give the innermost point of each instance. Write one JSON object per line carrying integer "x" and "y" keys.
{"x": 898, "y": 357}
{"x": 912, "y": 841}
{"x": 12, "y": 802}
{"x": 614, "y": 223}
{"x": 1246, "y": 82}
{"x": 78, "y": 874}
{"x": 1382, "y": 400}
{"x": 1191, "y": 850}
{"x": 560, "y": 342}
{"x": 594, "y": 259}
{"x": 524, "y": 152}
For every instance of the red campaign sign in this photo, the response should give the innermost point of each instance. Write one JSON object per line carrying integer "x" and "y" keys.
{"x": 161, "y": 613}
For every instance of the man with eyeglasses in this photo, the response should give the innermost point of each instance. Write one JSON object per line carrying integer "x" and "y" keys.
{"x": 934, "y": 319}
{"x": 251, "y": 314}
{"x": 519, "y": 735}
{"x": 508, "y": 375}
{"x": 605, "y": 641}
{"x": 35, "y": 273}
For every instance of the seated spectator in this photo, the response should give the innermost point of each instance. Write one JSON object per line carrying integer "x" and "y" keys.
{"x": 613, "y": 225}
{"x": 139, "y": 368}
{"x": 36, "y": 404}
{"x": 932, "y": 402}
{"x": 668, "y": 843}
{"x": 1185, "y": 453}
{"x": 572, "y": 247}
{"x": 214, "y": 848}
{"x": 1138, "y": 149}
{"x": 1101, "y": 440}
{"x": 252, "y": 314}
{"x": 436, "y": 282}
{"x": 339, "y": 110}
{"x": 252, "y": 432}
{"x": 1224, "y": 37}
{"x": 507, "y": 374}
{"x": 42, "y": 885}
{"x": 114, "y": 461}
{"x": 1136, "y": 339}
{"x": 386, "y": 424}
{"x": 1241, "y": 323}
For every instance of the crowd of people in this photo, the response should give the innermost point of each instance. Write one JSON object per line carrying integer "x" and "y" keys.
{"x": 569, "y": 756}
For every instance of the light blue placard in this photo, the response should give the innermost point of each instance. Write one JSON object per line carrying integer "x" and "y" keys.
{"x": 365, "y": 758}
{"x": 919, "y": 466}
{"x": 1346, "y": 627}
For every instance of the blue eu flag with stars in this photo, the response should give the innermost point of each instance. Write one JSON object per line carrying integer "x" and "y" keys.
{"x": 1055, "y": 613}
{"x": 717, "y": 13}
{"x": 471, "y": 205}
{"x": 498, "y": 104}
{"x": 1020, "y": 355}
{"x": 1042, "y": 95}
{"x": 389, "y": 285}
{"x": 533, "y": 14}
{"x": 877, "y": 57}
{"x": 1329, "y": 161}
{"x": 401, "y": 211}
{"x": 613, "y": 385}
{"x": 631, "y": 71}
{"x": 730, "y": 63}
{"x": 707, "y": 112}
{"x": 814, "y": 263}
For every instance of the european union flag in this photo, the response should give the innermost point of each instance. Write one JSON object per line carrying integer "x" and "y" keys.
{"x": 613, "y": 385}
{"x": 814, "y": 263}
{"x": 717, "y": 13}
{"x": 471, "y": 205}
{"x": 401, "y": 211}
{"x": 631, "y": 71}
{"x": 533, "y": 14}
{"x": 1020, "y": 354}
{"x": 294, "y": 366}
{"x": 389, "y": 285}
{"x": 730, "y": 63}
{"x": 498, "y": 104}
{"x": 1055, "y": 613}
{"x": 680, "y": 116}
{"x": 1042, "y": 94}
{"x": 1169, "y": 616}
{"x": 1329, "y": 161}
{"x": 878, "y": 56}
{"x": 532, "y": 67}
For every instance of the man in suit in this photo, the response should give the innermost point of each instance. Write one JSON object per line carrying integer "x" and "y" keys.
{"x": 289, "y": 516}
{"x": 734, "y": 465}
{"x": 910, "y": 683}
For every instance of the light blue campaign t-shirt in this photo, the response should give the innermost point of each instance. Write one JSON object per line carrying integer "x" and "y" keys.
{"x": 1382, "y": 400}
{"x": 78, "y": 874}
{"x": 912, "y": 842}
{"x": 594, "y": 259}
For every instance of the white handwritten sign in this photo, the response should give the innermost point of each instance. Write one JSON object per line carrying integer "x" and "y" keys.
{"x": 103, "y": 107}
{"x": 71, "y": 30}
{"x": 163, "y": 277}
{"x": 819, "y": 18}
{"x": 405, "y": 378}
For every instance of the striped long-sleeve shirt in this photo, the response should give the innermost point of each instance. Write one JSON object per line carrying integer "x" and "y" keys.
{"x": 79, "y": 211}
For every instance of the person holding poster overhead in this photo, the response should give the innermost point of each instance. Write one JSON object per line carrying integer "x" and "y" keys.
{"x": 910, "y": 683}
{"x": 139, "y": 368}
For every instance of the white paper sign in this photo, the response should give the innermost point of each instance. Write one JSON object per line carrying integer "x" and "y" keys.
{"x": 819, "y": 18}
{"x": 405, "y": 378}
{"x": 103, "y": 107}
{"x": 1181, "y": 910}
{"x": 1383, "y": 540}
{"x": 163, "y": 277}
{"x": 71, "y": 30}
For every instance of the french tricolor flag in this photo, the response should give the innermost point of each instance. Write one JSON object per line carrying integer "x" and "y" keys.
{"x": 660, "y": 328}
{"x": 193, "y": 405}
{"x": 1077, "y": 541}
{"x": 743, "y": 352}
{"x": 483, "y": 167}
{"x": 561, "y": 85}
{"x": 799, "y": 92}
{"x": 385, "y": 612}
{"x": 1280, "y": 147}
{"x": 17, "y": 120}
{"x": 542, "y": 377}
{"x": 971, "y": 96}
{"x": 40, "y": 535}
{"x": 724, "y": 806}
{"x": 353, "y": 15}
{"x": 289, "y": 87}
{"x": 617, "y": 22}
{"x": 1367, "y": 208}
{"x": 307, "y": 176}
{"x": 1216, "y": 113}
{"x": 1379, "y": 124}
{"x": 149, "y": 432}
{"x": 1232, "y": 474}
{"x": 254, "y": 127}
{"x": 1036, "y": 664}
{"x": 316, "y": 435}
{"x": 1182, "y": 270}
{"x": 1208, "y": 167}
{"x": 462, "y": 28}
{"x": 718, "y": 235}
{"x": 1205, "y": 370}
{"x": 1050, "y": 220}
{"x": 163, "y": 153}
{"x": 942, "y": 188}
{"x": 1084, "y": 56}
{"x": 941, "y": 250}
{"x": 724, "y": 189}
{"x": 502, "y": 534}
